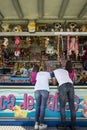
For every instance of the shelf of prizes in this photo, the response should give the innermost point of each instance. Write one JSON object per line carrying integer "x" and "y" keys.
{"x": 17, "y": 99}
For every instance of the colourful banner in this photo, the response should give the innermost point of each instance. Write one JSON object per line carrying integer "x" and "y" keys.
{"x": 20, "y": 103}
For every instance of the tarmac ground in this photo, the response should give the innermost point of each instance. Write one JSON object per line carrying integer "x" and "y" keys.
{"x": 32, "y": 128}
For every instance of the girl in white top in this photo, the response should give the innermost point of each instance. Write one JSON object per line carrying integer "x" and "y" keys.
{"x": 42, "y": 81}
{"x": 41, "y": 96}
{"x": 66, "y": 90}
{"x": 62, "y": 76}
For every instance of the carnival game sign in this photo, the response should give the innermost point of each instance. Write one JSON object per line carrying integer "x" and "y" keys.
{"x": 20, "y": 103}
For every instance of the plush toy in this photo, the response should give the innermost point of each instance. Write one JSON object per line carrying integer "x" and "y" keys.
{"x": 24, "y": 72}
{"x": 17, "y": 52}
{"x": 5, "y": 27}
{"x": 19, "y": 113}
{"x": 50, "y": 49}
{"x": 17, "y": 28}
{"x": 72, "y": 47}
{"x": 71, "y": 27}
{"x": 83, "y": 28}
{"x": 31, "y": 26}
{"x": 28, "y": 41}
{"x": 17, "y": 40}
{"x": 83, "y": 77}
{"x": 58, "y": 27}
{"x": 46, "y": 42}
{"x": 5, "y": 43}
{"x": 84, "y": 104}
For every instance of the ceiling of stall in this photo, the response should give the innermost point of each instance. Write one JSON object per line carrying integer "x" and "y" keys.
{"x": 23, "y": 11}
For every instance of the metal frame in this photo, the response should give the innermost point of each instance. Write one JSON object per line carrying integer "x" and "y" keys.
{"x": 83, "y": 11}
{"x": 18, "y": 9}
{"x": 63, "y": 8}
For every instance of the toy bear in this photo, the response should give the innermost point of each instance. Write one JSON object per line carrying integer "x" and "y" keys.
{"x": 72, "y": 27}
{"x": 83, "y": 28}
{"x": 5, "y": 27}
{"x": 58, "y": 27}
{"x": 17, "y": 28}
{"x": 83, "y": 77}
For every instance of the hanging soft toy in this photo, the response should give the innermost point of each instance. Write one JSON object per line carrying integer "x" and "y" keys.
{"x": 72, "y": 47}
{"x": 17, "y": 40}
{"x": 17, "y": 52}
{"x": 28, "y": 40}
{"x": 46, "y": 42}
{"x": 50, "y": 49}
{"x": 5, "y": 43}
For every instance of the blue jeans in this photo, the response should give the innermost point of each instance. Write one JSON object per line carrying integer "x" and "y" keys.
{"x": 41, "y": 97}
{"x": 67, "y": 91}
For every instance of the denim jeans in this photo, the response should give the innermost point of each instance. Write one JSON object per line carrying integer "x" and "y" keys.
{"x": 67, "y": 91}
{"x": 41, "y": 97}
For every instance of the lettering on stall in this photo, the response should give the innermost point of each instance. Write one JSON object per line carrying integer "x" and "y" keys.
{"x": 28, "y": 102}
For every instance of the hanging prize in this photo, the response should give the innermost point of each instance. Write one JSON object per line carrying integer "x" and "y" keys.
{"x": 17, "y": 52}
{"x": 58, "y": 48}
{"x": 68, "y": 47}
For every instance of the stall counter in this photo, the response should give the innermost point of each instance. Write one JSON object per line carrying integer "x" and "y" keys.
{"x": 17, "y": 101}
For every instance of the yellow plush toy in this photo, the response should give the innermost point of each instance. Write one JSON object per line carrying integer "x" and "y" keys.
{"x": 83, "y": 77}
{"x": 18, "y": 113}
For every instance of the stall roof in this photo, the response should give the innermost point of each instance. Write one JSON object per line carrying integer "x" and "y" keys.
{"x": 43, "y": 11}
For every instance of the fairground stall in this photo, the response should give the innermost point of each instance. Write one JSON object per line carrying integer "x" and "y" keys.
{"x": 27, "y": 39}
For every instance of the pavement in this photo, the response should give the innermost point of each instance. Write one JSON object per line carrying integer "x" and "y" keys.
{"x": 32, "y": 128}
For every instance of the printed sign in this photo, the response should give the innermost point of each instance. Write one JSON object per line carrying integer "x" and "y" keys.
{"x": 20, "y": 103}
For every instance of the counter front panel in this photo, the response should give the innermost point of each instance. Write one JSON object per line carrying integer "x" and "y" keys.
{"x": 19, "y": 102}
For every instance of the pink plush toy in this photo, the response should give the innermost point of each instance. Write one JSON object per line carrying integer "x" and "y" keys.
{"x": 17, "y": 41}
{"x": 73, "y": 46}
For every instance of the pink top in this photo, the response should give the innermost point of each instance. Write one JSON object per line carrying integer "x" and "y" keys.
{"x": 71, "y": 75}
{"x": 33, "y": 77}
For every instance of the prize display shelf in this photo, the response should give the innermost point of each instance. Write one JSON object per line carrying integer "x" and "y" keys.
{"x": 23, "y": 34}
{"x": 42, "y": 33}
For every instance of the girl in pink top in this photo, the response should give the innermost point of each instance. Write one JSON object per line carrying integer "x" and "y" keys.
{"x": 72, "y": 75}
{"x": 71, "y": 71}
{"x": 33, "y": 74}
